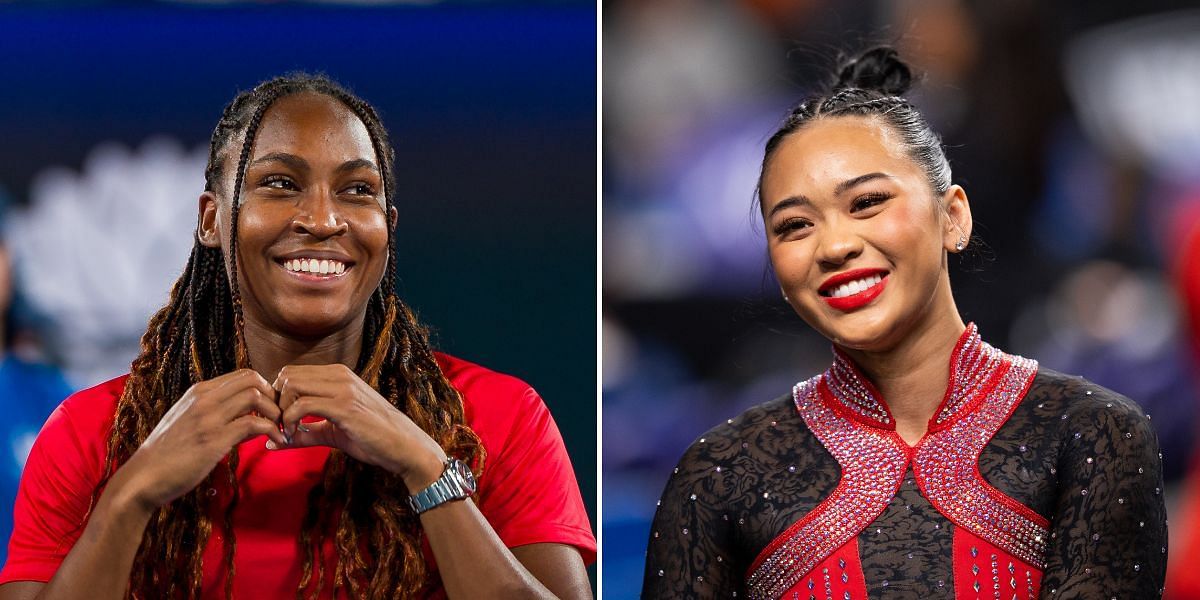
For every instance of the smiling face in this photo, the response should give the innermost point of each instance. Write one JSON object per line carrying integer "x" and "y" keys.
{"x": 312, "y": 226}
{"x": 855, "y": 234}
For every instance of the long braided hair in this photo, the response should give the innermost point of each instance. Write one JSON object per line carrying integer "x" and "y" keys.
{"x": 377, "y": 537}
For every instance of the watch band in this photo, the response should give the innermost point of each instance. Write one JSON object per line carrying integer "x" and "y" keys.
{"x": 456, "y": 483}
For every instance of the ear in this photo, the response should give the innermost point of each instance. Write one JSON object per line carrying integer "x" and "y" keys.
{"x": 957, "y": 228}
{"x": 207, "y": 228}
{"x": 393, "y": 218}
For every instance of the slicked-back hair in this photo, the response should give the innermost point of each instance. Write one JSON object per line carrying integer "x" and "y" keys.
{"x": 376, "y": 537}
{"x": 872, "y": 84}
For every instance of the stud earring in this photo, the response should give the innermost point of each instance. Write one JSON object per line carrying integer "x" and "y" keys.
{"x": 962, "y": 243}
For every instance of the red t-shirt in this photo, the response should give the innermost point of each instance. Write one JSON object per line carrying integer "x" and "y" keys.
{"x": 528, "y": 491}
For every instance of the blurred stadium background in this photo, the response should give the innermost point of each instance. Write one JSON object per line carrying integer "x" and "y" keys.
{"x": 1073, "y": 126}
{"x": 105, "y": 114}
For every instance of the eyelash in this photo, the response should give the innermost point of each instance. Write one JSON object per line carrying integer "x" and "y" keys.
{"x": 273, "y": 179}
{"x": 861, "y": 203}
{"x": 366, "y": 189}
{"x": 792, "y": 224}
{"x": 868, "y": 200}
{"x": 359, "y": 189}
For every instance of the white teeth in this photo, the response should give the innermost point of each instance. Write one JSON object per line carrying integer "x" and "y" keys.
{"x": 315, "y": 266}
{"x": 855, "y": 287}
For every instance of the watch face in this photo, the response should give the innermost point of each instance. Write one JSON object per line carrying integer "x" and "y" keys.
{"x": 465, "y": 476}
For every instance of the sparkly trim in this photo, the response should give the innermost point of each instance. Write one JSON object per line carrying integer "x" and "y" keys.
{"x": 856, "y": 393}
{"x": 985, "y": 387}
{"x": 973, "y": 366}
{"x": 947, "y": 469}
{"x": 838, "y": 577}
{"x": 873, "y": 462}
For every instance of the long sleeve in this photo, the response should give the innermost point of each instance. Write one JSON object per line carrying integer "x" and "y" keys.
{"x": 1108, "y": 535}
{"x": 690, "y": 549}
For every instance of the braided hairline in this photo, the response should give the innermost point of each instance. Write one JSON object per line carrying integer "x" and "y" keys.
{"x": 888, "y": 103}
{"x": 923, "y": 145}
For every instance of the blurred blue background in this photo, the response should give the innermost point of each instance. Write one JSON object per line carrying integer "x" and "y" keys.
{"x": 1073, "y": 126}
{"x": 105, "y": 114}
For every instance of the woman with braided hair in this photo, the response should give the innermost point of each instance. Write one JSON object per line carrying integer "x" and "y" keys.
{"x": 924, "y": 463}
{"x": 287, "y": 431}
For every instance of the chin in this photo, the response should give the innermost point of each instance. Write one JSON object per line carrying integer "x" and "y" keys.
{"x": 313, "y": 324}
{"x": 871, "y": 329}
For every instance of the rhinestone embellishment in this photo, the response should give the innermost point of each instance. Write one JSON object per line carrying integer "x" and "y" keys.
{"x": 873, "y": 465}
{"x": 852, "y": 422}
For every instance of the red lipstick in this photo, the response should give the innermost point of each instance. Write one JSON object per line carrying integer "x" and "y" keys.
{"x": 853, "y": 301}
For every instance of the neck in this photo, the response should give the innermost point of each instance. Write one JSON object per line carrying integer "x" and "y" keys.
{"x": 270, "y": 350}
{"x": 913, "y": 374}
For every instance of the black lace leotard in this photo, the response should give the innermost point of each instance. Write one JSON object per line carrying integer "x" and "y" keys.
{"x": 1029, "y": 484}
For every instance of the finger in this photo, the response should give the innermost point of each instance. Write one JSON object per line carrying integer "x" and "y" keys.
{"x": 250, "y": 426}
{"x": 247, "y": 400}
{"x": 316, "y": 433}
{"x": 254, "y": 379}
{"x": 241, "y": 379}
{"x": 294, "y": 384}
{"x": 266, "y": 407}
{"x": 314, "y": 380}
{"x": 305, "y": 406}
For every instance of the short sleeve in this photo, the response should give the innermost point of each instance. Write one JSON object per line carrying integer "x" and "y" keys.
{"x": 528, "y": 491}
{"x": 55, "y": 494}
{"x": 1108, "y": 536}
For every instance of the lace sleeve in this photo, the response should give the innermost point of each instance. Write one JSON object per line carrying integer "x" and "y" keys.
{"x": 1108, "y": 534}
{"x": 691, "y": 540}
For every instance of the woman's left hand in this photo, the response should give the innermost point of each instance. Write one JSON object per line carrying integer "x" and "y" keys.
{"x": 358, "y": 421}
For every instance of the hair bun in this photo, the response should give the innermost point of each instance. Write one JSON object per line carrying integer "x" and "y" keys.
{"x": 878, "y": 69}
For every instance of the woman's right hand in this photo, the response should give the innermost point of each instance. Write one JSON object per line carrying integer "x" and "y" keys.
{"x": 200, "y": 429}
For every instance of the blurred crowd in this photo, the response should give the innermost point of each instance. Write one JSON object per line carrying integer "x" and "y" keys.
{"x": 1074, "y": 127}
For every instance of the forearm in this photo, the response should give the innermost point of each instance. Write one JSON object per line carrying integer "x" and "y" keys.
{"x": 472, "y": 560}
{"x": 99, "y": 564}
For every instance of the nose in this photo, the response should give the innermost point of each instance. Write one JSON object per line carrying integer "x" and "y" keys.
{"x": 318, "y": 216}
{"x": 837, "y": 245}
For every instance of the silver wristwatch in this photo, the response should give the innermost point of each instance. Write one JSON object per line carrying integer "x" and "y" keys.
{"x": 457, "y": 482}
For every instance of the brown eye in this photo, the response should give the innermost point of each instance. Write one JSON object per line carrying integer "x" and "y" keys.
{"x": 279, "y": 182}
{"x": 867, "y": 201}
{"x": 792, "y": 225}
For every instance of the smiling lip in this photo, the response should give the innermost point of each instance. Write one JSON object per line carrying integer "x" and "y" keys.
{"x": 317, "y": 254}
{"x": 315, "y": 277}
{"x": 314, "y": 257}
{"x": 857, "y": 300}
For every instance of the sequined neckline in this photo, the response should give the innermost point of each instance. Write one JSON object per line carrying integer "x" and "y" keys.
{"x": 973, "y": 363}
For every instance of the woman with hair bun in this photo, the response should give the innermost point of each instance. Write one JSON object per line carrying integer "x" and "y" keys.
{"x": 924, "y": 462}
{"x": 287, "y": 430}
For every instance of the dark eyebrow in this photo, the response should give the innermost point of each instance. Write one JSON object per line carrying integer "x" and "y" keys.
{"x": 358, "y": 163}
{"x": 290, "y": 160}
{"x": 839, "y": 190}
{"x": 849, "y": 183}
{"x": 788, "y": 203}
